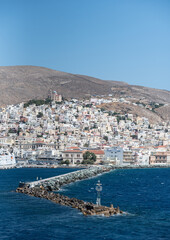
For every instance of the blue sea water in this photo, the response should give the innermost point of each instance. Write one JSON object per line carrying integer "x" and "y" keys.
{"x": 143, "y": 193}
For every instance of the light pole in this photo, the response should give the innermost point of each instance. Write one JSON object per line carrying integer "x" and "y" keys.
{"x": 98, "y": 189}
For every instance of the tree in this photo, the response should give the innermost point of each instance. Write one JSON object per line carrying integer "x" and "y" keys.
{"x": 86, "y": 145}
{"x": 47, "y": 101}
{"x": 39, "y": 115}
{"x": 12, "y": 130}
{"x": 102, "y": 109}
{"x": 88, "y": 105}
{"x": 37, "y": 102}
{"x": 18, "y": 131}
{"x": 105, "y": 138}
{"x": 118, "y": 118}
{"x": 39, "y": 135}
{"x": 89, "y": 158}
{"x": 134, "y": 136}
{"x": 67, "y": 162}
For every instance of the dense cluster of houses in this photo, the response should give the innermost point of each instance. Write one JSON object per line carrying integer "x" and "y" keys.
{"x": 59, "y": 130}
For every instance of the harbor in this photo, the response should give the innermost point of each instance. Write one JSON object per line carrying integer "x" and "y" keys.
{"x": 125, "y": 188}
{"x": 45, "y": 188}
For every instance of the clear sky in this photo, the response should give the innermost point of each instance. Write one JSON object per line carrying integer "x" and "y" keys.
{"x": 124, "y": 40}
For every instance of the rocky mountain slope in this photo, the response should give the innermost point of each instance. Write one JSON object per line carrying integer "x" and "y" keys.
{"x": 22, "y": 83}
{"x": 140, "y": 111}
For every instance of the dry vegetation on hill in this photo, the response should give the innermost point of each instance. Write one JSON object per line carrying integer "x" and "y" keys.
{"x": 22, "y": 83}
{"x": 123, "y": 108}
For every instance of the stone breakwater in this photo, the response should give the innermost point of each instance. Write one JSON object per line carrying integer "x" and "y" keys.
{"x": 87, "y": 208}
{"x": 55, "y": 183}
{"x": 43, "y": 189}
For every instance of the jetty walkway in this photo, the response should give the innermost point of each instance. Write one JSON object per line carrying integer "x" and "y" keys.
{"x": 55, "y": 183}
{"x": 44, "y": 189}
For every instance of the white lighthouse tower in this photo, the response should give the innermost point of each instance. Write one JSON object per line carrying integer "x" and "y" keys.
{"x": 98, "y": 189}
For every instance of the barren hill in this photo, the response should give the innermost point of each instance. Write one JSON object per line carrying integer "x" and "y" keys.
{"x": 22, "y": 83}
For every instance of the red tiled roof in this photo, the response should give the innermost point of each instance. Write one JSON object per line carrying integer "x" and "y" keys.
{"x": 97, "y": 152}
{"x": 74, "y": 148}
{"x": 73, "y": 151}
{"x": 163, "y": 153}
{"x": 160, "y": 146}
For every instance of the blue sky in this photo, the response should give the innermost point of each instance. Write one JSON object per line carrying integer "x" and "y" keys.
{"x": 124, "y": 40}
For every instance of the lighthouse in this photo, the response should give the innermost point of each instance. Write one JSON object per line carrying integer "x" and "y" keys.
{"x": 98, "y": 189}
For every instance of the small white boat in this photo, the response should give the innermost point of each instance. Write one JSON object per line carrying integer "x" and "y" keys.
{"x": 7, "y": 159}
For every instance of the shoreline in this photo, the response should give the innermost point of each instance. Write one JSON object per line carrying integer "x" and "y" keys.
{"x": 86, "y": 166}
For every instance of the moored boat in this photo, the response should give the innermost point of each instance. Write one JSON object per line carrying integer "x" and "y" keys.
{"x": 7, "y": 159}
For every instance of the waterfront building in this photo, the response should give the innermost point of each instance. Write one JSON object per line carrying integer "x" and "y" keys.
{"x": 128, "y": 157}
{"x": 114, "y": 155}
{"x": 160, "y": 158}
{"x": 75, "y": 156}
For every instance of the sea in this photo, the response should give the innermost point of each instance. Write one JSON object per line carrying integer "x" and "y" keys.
{"x": 143, "y": 194}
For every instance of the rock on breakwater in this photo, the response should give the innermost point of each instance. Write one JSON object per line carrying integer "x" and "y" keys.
{"x": 43, "y": 189}
{"x": 55, "y": 183}
{"x": 87, "y": 208}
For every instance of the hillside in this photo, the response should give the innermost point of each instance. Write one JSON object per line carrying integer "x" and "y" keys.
{"x": 123, "y": 108}
{"x": 21, "y": 83}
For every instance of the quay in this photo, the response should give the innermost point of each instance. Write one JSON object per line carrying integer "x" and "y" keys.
{"x": 44, "y": 189}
